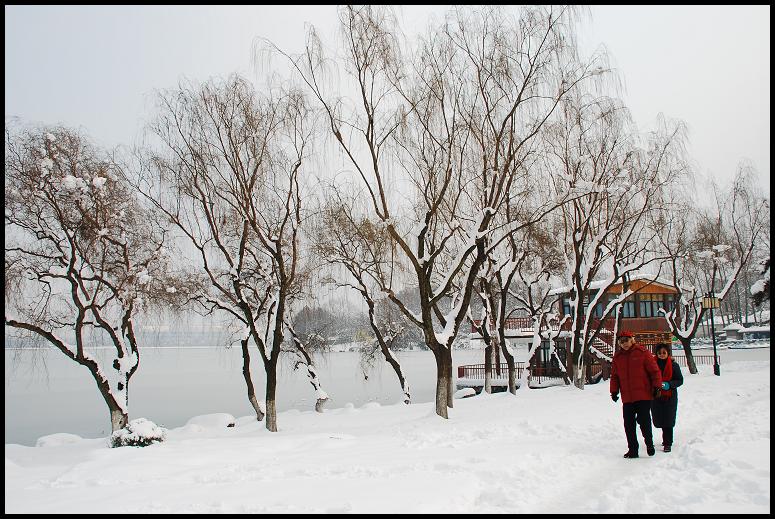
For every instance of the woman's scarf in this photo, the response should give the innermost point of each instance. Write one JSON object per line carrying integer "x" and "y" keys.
{"x": 667, "y": 375}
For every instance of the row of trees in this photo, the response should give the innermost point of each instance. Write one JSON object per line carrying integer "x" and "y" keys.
{"x": 482, "y": 167}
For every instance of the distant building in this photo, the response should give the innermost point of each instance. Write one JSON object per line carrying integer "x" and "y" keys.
{"x": 756, "y": 332}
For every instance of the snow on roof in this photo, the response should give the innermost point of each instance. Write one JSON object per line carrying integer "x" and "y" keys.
{"x": 734, "y": 326}
{"x": 597, "y": 284}
{"x": 756, "y": 329}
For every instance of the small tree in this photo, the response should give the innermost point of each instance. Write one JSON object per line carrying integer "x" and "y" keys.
{"x": 363, "y": 250}
{"x": 227, "y": 178}
{"x": 82, "y": 256}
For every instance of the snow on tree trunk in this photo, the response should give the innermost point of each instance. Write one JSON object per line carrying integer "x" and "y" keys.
{"x": 118, "y": 419}
{"x": 686, "y": 343}
{"x": 305, "y": 359}
{"x": 320, "y": 395}
{"x": 503, "y": 344}
{"x": 390, "y": 358}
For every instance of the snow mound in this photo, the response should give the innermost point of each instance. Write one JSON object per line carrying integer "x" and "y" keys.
{"x": 371, "y": 405}
{"x": 212, "y": 421}
{"x": 246, "y": 420}
{"x": 465, "y": 392}
{"x": 55, "y": 440}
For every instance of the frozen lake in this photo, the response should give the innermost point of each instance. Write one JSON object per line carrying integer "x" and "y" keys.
{"x": 47, "y": 393}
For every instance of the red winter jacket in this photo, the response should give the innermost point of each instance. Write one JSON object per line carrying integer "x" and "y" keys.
{"x": 636, "y": 373}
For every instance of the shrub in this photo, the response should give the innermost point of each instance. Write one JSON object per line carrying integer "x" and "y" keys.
{"x": 138, "y": 433}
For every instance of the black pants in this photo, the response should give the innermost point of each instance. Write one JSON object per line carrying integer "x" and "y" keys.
{"x": 667, "y": 436}
{"x": 639, "y": 411}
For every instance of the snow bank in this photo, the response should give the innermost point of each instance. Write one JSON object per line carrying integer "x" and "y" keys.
{"x": 533, "y": 452}
{"x": 212, "y": 421}
{"x": 58, "y": 439}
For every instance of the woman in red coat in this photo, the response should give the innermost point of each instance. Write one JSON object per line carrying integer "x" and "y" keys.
{"x": 664, "y": 408}
{"x": 634, "y": 372}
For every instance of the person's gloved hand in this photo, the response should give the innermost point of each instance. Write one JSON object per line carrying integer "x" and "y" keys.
{"x": 657, "y": 392}
{"x": 615, "y": 397}
{"x": 665, "y": 386}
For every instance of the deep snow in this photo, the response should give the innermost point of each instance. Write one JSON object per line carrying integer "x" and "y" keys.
{"x": 546, "y": 450}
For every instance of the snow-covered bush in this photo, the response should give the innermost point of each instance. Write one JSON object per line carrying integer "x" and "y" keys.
{"x": 138, "y": 433}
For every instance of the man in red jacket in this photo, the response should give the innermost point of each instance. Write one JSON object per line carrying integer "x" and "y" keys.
{"x": 635, "y": 372}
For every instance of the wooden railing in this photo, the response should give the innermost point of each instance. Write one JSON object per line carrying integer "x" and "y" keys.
{"x": 476, "y": 371}
{"x": 639, "y": 325}
{"x": 698, "y": 359}
{"x": 608, "y": 324}
{"x": 524, "y": 324}
{"x": 538, "y": 374}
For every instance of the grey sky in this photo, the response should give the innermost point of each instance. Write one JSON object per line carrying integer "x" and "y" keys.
{"x": 95, "y": 67}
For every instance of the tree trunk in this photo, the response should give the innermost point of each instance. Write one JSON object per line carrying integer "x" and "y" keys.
{"x": 442, "y": 380}
{"x": 512, "y": 372}
{"x": 271, "y": 387}
{"x": 249, "y": 381}
{"x": 578, "y": 369}
{"x": 497, "y": 359}
{"x": 502, "y": 348}
{"x": 606, "y": 369}
{"x": 488, "y": 357}
{"x": 450, "y": 380}
{"x": 686, "y": 343}
{"x": 588, "y": 368}
{"x": 118, "y": 418}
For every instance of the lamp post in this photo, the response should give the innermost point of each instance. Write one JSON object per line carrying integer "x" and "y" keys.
{"x": 711, "y": 302}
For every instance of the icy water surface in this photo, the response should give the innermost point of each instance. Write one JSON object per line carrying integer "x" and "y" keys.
{"x": 47, "y": 393}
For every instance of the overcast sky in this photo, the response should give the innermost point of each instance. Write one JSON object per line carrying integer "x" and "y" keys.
{"x": 95, "y": 67}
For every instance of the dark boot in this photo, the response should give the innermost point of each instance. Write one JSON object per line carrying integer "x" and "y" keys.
{"x": 667, "y": 448}
{"x": 631, "y": 454}
{"x": 650, "y": 450}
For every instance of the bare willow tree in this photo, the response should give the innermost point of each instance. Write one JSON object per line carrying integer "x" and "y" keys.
{"x": 83, "y": 257}
{"x": 363, "y": 249}
{"x": 708, "y": 248}
{"x": 447, "y": 122}
{"x": 227, "y": 177}
{"x": 609, "y": 233}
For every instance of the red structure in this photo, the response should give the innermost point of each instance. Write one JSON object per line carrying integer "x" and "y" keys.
{"x": 640, "y": 314}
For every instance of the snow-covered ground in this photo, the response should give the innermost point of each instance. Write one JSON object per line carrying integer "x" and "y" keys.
{"x": 546, "y": 450}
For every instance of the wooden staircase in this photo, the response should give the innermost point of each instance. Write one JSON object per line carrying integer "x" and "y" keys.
{"x": 603, "y": 345}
